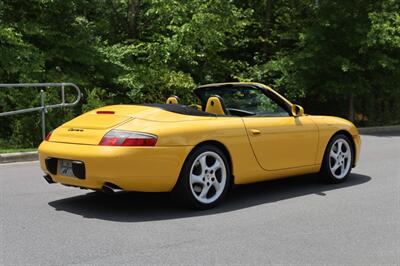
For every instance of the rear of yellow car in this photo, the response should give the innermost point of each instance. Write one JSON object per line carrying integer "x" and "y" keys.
{"x": 198, "y": 155}
{"x": 91, "y": 152}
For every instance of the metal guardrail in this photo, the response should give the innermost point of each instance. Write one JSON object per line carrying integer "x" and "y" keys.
{"x": 43, "y": 107}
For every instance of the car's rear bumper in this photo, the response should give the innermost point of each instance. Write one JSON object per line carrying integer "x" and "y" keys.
{"x": 147, "y": 169}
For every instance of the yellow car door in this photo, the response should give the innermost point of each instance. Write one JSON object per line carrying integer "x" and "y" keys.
{"x": 283, "y": 142}
{"x": 279, "y": 140}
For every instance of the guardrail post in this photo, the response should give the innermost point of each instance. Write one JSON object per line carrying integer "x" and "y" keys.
{"x": 43, "y": 114}
{"x": 43, "y": 107}
{"x": 62, "y": 94}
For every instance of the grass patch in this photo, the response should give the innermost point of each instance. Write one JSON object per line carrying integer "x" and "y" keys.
{"x": 11, "y": 150}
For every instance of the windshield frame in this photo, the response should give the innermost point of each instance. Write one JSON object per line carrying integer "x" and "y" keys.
{"x": 274, "y": 96}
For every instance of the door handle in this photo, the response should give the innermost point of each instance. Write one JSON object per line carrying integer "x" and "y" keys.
{"x": 255, "y": 132}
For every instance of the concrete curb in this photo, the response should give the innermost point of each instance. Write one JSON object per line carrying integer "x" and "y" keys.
{"x": 19, "y": 157}
{"x": 379, "y": 130}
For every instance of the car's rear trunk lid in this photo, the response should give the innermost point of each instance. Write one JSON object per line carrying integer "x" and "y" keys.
{"x": 89, "y": 128}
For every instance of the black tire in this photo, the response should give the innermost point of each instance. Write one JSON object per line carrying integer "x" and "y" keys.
{"x": 327, "y": 172}
{"x": 183, "y": 192}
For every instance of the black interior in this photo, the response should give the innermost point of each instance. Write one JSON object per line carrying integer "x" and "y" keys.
{"x": 179, "y": 109}
{"x": 200, "y": 92}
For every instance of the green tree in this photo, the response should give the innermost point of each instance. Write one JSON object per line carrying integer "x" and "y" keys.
{"x": 337, "y": 57}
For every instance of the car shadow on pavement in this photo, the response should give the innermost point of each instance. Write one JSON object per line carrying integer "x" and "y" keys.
{"x": 141, "y": 207}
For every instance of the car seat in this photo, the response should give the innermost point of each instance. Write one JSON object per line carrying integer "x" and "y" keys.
{"x": 215, "y": 105}
{"x": 173, "y": 100}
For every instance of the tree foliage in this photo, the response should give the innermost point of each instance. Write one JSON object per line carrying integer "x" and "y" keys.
{"x": 326, "y": 55}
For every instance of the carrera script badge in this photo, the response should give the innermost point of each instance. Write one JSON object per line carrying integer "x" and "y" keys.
{"x": 75, "y": 129}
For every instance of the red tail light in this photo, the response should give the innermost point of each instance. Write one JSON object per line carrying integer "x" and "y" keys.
{"x": 127, "y": 138}
{"x": 47, "y": 138}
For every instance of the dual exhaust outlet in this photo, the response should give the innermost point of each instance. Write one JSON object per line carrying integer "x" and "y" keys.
{"x": 108, "y": 188}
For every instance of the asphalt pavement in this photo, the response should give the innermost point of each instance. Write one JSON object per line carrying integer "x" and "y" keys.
{"x": 293, "y": 221}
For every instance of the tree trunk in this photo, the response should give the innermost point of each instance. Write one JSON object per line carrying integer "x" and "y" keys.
{"x": 133, "y": 18}
{"x": 268, "y": 16}
{"x": 351, "y": 107}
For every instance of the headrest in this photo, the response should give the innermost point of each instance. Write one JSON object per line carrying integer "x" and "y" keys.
{"x": 173, "y": 100}
{"x": 215, "y": 105}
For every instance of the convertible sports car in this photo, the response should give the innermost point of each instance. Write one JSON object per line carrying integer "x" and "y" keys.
{"x": 241, "y": 133}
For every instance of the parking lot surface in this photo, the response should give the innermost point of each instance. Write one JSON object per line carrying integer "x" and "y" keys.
{"x": 293, "y": 221}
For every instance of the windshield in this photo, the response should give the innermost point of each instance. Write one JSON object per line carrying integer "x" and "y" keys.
{"x": 244, "y": 101}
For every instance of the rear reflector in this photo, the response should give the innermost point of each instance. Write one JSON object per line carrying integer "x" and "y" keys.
{"x": 127, "y": 138}
{"x": 47, "y": 138}
{"x": 105, "y": 112}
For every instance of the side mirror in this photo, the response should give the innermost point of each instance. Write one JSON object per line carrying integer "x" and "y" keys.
{"x": 297, "y": 110}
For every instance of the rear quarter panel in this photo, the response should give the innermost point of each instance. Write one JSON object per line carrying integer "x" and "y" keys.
{"x": 229, "y": 131}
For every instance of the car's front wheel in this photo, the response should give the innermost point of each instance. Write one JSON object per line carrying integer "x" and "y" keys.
{"x": 338, "y": 159}
{"x": 204, "y": 179}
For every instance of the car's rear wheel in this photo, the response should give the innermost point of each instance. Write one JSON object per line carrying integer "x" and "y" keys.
{"x": 204, "y": 179}
{"x": 338, "y": 159}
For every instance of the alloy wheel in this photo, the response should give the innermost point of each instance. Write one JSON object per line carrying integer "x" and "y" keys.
{"x": 208, "y": 177}
{"x": 340, "y": 158}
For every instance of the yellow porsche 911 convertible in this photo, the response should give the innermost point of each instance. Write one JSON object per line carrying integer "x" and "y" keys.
{"x": 241, "y": 133}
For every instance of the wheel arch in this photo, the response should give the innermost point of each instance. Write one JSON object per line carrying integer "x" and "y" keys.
{"x": 347, "y": 134}
{"x": 224, "y": 149}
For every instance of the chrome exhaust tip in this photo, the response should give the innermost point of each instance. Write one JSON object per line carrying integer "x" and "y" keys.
{"x": 48, "y": 179}
{"x": 110, "y": 189}
{"x": 107, "y": 190}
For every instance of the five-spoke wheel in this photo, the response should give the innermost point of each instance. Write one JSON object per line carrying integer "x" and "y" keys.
{"x": 208, "y": 177}
{"x": 204, "y": 178}
{"x": 338, "y": 159}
